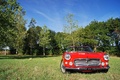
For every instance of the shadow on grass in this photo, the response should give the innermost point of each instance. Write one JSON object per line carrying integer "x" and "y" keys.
{"x": 24, "y": 56}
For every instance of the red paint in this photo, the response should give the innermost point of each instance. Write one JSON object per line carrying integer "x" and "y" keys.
{"x": 86, "y": 61}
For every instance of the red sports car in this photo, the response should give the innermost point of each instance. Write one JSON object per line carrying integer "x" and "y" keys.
{"x": 84, "y": 59}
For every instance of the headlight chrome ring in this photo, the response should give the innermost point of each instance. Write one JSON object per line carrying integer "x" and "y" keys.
{"x": 67, "y": 56}
{"x": 106, "y": 57}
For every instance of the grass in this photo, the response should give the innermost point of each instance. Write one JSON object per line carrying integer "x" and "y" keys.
{"x": 47, "y": 68}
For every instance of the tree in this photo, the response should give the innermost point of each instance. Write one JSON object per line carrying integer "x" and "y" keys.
{"x": 80, "y": 33}
{"x": 70, "y": 29}
{"x": 31, "y": 35}
{"x": 113, "y": 26}
{"x": 31, "y": 45}
{"x": 32, "y": 23}
{"x": 8, "y": 11}
{"x": 44, "y": 38}
{"x": 20, "y": 32}
{"x": 61, "y": 41}
{"x": 96, "y": 34}
{"x": 53, "y": 43}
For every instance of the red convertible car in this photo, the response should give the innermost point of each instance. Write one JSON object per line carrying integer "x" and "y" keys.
{"x": 84, "y": 59}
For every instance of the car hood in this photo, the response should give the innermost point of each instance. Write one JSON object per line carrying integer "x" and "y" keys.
{"x": 78, "y": 54}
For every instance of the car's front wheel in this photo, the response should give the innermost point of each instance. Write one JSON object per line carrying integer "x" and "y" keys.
{"x": 105, "y": 71}
{"x": 62, "y": 67}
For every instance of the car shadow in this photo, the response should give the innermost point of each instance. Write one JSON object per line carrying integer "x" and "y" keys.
{"x": 93, "y": 72}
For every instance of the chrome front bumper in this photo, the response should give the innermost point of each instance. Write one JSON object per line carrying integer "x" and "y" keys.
{"x": 91, "y": 69}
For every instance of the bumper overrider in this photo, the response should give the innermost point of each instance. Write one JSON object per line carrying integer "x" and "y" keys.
{"x": 85, "y": 68}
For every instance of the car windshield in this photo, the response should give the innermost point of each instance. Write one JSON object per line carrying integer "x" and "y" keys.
{"x": 81, "y": 48}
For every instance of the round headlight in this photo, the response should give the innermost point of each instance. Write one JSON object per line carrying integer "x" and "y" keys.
{"x": 106, "y": 57}
{"x": 67, "y": 56}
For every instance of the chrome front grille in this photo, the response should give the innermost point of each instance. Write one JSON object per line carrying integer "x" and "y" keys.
{"x": 87, "y": 62}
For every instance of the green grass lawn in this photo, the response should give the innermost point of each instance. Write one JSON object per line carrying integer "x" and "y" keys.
{"x": 47, "y": 68}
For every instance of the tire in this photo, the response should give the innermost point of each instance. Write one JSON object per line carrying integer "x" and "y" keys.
{"x": 62, "y": 67}
{"x": 105, "y": 71}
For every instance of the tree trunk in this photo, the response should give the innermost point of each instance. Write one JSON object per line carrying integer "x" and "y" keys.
{"x": 43, "y": 51}
{"x": 5, "y": 52}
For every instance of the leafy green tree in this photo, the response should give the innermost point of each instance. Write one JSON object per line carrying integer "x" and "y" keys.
{"x": 104, "y": 34}
{"x": 20, "y": 32}
{"x": 80, "y": 33}
{"x": 113, "y": 26}
{"x": 11, "y": 23}
{"x": 32, "y": 23}
{"x": 31, "y": 45}
{"x": 44, "y": 38}
{"x": 31, "y": 36}
{"x": 9, "y": 9}
{"x": 70, "y": 28}
{"x": 96, "y": 34}
{"x": 61, "y": 43}
{"x": 53, "y": 43}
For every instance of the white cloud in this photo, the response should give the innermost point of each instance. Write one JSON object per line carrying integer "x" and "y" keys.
{"x": 44, "y": 15}
{"x": 55, "y": 23}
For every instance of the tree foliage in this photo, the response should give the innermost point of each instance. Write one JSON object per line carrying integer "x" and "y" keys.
{"x": 70, "y": 30}
{"x": 104, "y": 35}
{"x": 44, "y": 39}
{"x": 31, "y": 40}
{"x": 20, "y": 32}
{"x": 7, "y": 19}
{"x": 12, "y": 24}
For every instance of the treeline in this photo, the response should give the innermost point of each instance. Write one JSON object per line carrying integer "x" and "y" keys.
{"x": 37, "y": 40}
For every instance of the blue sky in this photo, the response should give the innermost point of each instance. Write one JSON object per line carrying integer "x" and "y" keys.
{"x": 52, "y": 13}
